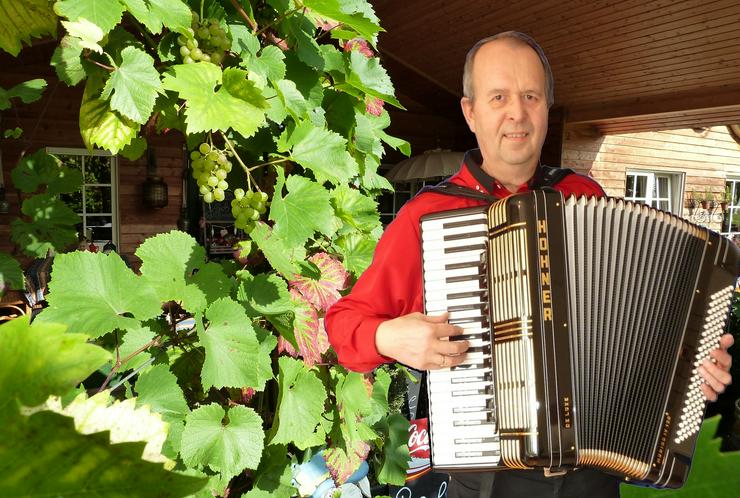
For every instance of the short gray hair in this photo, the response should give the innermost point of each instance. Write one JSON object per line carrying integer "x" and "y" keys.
{"x": 514, "y": 35}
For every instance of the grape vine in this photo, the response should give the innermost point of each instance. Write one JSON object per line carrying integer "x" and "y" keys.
{"x": 282, "y": 107}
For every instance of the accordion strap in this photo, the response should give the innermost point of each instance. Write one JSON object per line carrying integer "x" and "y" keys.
{"x": 545, "y": 177}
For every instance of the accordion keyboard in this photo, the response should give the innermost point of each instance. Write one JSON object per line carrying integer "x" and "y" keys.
{"x": 461, "y": 399}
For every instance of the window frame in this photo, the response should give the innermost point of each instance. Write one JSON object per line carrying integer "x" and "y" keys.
{"x": 114, "y": 184}
{"x": 674, "y": 196}
{"x": 730, "y": 208}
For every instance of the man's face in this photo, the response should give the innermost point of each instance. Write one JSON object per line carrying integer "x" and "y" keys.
{"x": 509, "y": 111}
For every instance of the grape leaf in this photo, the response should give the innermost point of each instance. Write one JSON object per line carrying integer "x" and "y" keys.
{"x": 19, "y": 25}
{"x": 311, "y": 337}
{"x": 357, "y": 252}
{"x": 67, "y": 61}
{"x": 366, "y": 139}
{"x": 713, "y": 474}
{"x": 11, "y": 275}
{"x": 41, "y": 168}
{"x": 299, "y": 31}
{"x": 52, "y": 226}
{"x": 96, "y": 293}
{"x": 380, "y": 123}
{"x": 28, "y": 91}
{"x": 324, "y": 291}
{"x": 395, "y": 430}
{"x": 209, "y": 109}
{"x": 303, "y": 211}
{"x": 122, "y": 419}
{"x": 101, "y": 126}
{"x": 333, "y": 9}
{"x": 172, "y": 14}
{"x": 264, "y": 294}
{"x": 43, "y": 455}
{"x": 278, "y": 252}
{"x": 355, "y": 209}
{"x": 368, "y": 76}
{"x": 379, "y": 400}
{"x": 370, "y": 179}
{"x": 236, "y": 82}
{"x": 243, "y": 41}
{"x": 270, "y": 64}
{"x": 135, "y": 338}
{"x": 226, "y": 442}
{"x": 134, "y": 85}
{"x": 274, "y": 477}
{"x": 300, "y": 404}
{"x": 157, "y": 388}
{"x": 234, "y": 357}
{"x": 168, "y": 263}
{"x": 135, "y": 149}
{"x": 344, "y": 460}
{"x": 43, "y": 359}
{"x": 321, "y": 151}
{"x": 105, "y": 13}
{"x": 295, "y": 103}
{"x": 87, "y": 32}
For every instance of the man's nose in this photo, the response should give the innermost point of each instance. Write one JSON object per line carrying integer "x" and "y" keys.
{"x": 516, "y": 109}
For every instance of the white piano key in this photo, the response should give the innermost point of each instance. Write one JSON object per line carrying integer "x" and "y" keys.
{"x": 448, "y": 303}
{"x": 439, "y": 223}
{"x": 456, "y": 389}
{"x": 430, "y": 233}
{"x": 441, "y": 245}
{"x": 433, "y": 288}
{"x": 453, "y": 257}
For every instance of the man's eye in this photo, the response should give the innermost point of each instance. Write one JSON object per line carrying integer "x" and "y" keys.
{"x": 529, "y": 96}
{"x": 498, "y": 97}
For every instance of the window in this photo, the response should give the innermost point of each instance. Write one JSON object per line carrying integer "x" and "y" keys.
{"x": 731, "y": 222}
{"x": 656, "y": 189}
{"x": 97, "y": 200}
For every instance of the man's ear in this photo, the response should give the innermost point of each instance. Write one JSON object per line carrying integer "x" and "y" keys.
{"x": 467, "y": 109}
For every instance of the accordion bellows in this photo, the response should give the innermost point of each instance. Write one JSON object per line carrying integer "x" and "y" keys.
{"x": 587, "y": 319}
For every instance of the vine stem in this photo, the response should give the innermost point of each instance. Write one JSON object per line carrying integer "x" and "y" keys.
{"x": 100, "y": 64}
{"x": 276, "y": 161}
{"x": 244, "y": 14}
{"x": 201, "y": 9}
{"x": 241, "y": 163}
{"x": 149, "y": 39}
{"x": 120, "y": 362}
{"x": 279, "y": 20}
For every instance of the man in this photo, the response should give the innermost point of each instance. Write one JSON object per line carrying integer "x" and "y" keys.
{"x": 508, "y": 90}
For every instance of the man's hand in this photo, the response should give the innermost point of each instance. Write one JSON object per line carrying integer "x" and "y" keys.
{"x": 717, "y": 374}
{"x": 421, "y": 341}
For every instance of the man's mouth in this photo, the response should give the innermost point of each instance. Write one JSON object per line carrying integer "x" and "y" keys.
{"x": 516, "y": 135}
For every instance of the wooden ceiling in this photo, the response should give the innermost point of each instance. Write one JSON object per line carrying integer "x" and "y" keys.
{"x": 619, "y": 66}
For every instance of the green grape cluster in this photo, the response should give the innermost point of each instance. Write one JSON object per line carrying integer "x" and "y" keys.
{"x": 210, "y": 168}
{"x": 206, "y": 41}
{"x": 247, "y": 208}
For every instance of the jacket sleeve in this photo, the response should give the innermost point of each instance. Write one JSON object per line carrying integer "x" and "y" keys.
{"x": 389, "y": 288}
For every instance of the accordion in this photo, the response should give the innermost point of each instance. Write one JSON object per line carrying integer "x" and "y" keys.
{"x": 587, "y": 320}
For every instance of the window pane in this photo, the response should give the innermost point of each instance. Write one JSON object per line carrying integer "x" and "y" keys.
{"x": 736, "y": 194}
{"x": 98, "y": 200}
{"x": 70, "y": 161}
{"x": 100, "y": 227}
{"x": 735, "y": 224}
{"x": 664, "y": 206}
{"x": 662, "y": 183}
{"x": 386, "y": 218}
{"x": 401, "y": 199}
{"x": 385, "y": 203}
{"x": 630, "y": 186}
{"x": 97, "y": 169}
{"x": 73, "y": 201}
{"x": 641, "y": 187}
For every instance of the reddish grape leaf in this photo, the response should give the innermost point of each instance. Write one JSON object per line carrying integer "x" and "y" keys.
{"x": 309, "y": 330}
{"x": 285, "y": 346}
{"x": 342, "y": 462}
{"x": 324, "y": 292}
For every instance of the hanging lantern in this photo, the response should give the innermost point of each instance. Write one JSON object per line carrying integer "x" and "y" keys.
{"x": 155, "y": 189}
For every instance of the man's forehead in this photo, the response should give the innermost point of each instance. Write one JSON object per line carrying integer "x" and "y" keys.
{"x": 504, "y": 56}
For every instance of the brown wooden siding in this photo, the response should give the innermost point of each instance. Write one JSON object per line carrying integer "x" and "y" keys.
{"x": 707, "y": 158}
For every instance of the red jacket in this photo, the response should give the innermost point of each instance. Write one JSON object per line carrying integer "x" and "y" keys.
{"x": 392, "y": 284}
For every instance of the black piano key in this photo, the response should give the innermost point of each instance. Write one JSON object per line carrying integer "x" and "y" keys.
{"x": 466, "y": 235}
{"x": 472, "y": 247}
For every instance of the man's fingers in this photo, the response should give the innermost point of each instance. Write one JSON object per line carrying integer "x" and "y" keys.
{"x": 726, "y": 341}
{"x": 446, "y": 330}
{"x": 708, "y": 392}
{"x": 453, "y": 347}
{"x": 714, "y": 376}
{"x": 436, "y": 318}
{"x": 722, "y": 357}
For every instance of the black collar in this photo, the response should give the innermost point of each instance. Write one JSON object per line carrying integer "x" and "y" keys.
{"x": 473, "y": 160}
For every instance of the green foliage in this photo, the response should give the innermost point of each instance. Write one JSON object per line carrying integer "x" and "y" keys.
{"x": 713, "y": 474}
{"x": 18, "y": 26}
{"x": 227, "y": 370}
{"x": 28, "y": 91}
{"x": 11, "y": 274}
{"x": 108, "y": 289}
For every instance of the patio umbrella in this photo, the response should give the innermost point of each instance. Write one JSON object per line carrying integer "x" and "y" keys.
{"x": 430, "y": 164}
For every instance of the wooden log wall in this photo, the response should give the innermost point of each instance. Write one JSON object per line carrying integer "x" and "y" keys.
{"x": 53, "y": 122}
{"x": 706, "y": 157}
